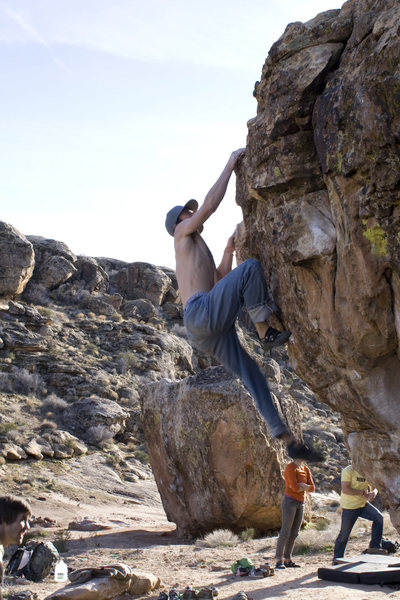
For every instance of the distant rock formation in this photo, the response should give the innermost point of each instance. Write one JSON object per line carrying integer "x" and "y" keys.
{"x": 320, "y": 192}
{"x": 214, "y": 463}
{"x": 16, "y": 261}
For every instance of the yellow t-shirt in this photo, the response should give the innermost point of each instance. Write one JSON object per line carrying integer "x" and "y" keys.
{"x": 357, "y": 482}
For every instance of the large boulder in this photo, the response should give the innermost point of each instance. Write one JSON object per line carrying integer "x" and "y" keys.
{"x": 213, "y": 461}
{"x": 17, "y": 261}
{"x": 320, "y": 192}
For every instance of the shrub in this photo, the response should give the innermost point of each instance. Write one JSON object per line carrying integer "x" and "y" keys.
{"x": 127, "y": 361}
{"x": 5, "y": 428}
{"x": 6, "y": 382}
{"x": 61, "y": 542}
{"x": 45, "y": 312}
{"x": 219, "y": 537}
{"x": 46, "y": 425}
{"x": 20, "y": 381}
{"x": 92, "y": 349}
{"x": 313, "y": 539}
{"x": 14, "y": 435}
{"x": 321, "y": 523}
{"x": 302, "y": 548}
{"x": 247, "y": 534}
{"x": 99, "y": 433}
{"x": 34, "y": 534}
{"x": 142, "y": 456}
{"x": 53, "y": 403}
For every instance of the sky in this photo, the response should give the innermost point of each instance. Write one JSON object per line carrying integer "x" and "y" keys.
{"x": 114, "y": 111}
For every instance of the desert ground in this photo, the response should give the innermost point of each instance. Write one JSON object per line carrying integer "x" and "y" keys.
{"x": 137, "y": 533}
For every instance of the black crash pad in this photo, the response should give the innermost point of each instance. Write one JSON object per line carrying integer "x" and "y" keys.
{"x": 360, "y": 569}
{"x": 386, "y": 559}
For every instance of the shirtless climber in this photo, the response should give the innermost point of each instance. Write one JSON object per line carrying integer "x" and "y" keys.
{"x": 212, "y": 298}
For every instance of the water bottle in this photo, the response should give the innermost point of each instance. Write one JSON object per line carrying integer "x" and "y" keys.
{"x": 61, "y": 571}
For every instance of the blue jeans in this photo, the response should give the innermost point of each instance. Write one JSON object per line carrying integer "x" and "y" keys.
{"x": 210, "y": 318}
{"x": 292, "y": 518}
{"x": 349, "y": 517}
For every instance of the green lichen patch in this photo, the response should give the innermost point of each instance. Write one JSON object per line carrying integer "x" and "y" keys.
{"x": 277, "y": 172}
{"x": 377, "y": 238}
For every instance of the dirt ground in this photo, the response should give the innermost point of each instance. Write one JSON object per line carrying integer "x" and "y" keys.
{"x": 140, "y": 536}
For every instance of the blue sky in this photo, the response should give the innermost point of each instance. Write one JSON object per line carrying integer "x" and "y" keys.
{"x": 113, "y": 111}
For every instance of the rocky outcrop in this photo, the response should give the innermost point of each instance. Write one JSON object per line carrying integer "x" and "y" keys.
{"x": 16, "y": 261}
{"x": 93, "y": 276}
{"x": 211, "y": 455}
{"x": 50, "y": 444}
{"x": 54, "y": 261}
{"x": 143, "y": 280}
{"x": 320, "y": 192}
{"x": 95, "y": 418}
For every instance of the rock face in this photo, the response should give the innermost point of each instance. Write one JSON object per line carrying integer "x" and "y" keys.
{"x": 16, "y": 261}
{"x": 320, "y": 192}
{"x": 211, "y": 456}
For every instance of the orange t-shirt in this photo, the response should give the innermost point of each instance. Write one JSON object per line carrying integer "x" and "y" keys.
{"x": 295, "y": 474}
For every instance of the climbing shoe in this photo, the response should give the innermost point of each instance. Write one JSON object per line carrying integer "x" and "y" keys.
{"x": 273, "y": 338}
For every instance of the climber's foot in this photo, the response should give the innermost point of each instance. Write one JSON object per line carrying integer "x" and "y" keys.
{"x": 273, "y": 338}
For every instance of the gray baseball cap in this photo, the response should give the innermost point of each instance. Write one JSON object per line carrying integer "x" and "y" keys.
{"x": 173, "y": 215}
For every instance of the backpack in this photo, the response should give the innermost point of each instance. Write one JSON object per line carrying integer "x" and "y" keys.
{"x": 390, "y": 545}
{"x": 242, "y": 566}
{"x": 35, "y": 560}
